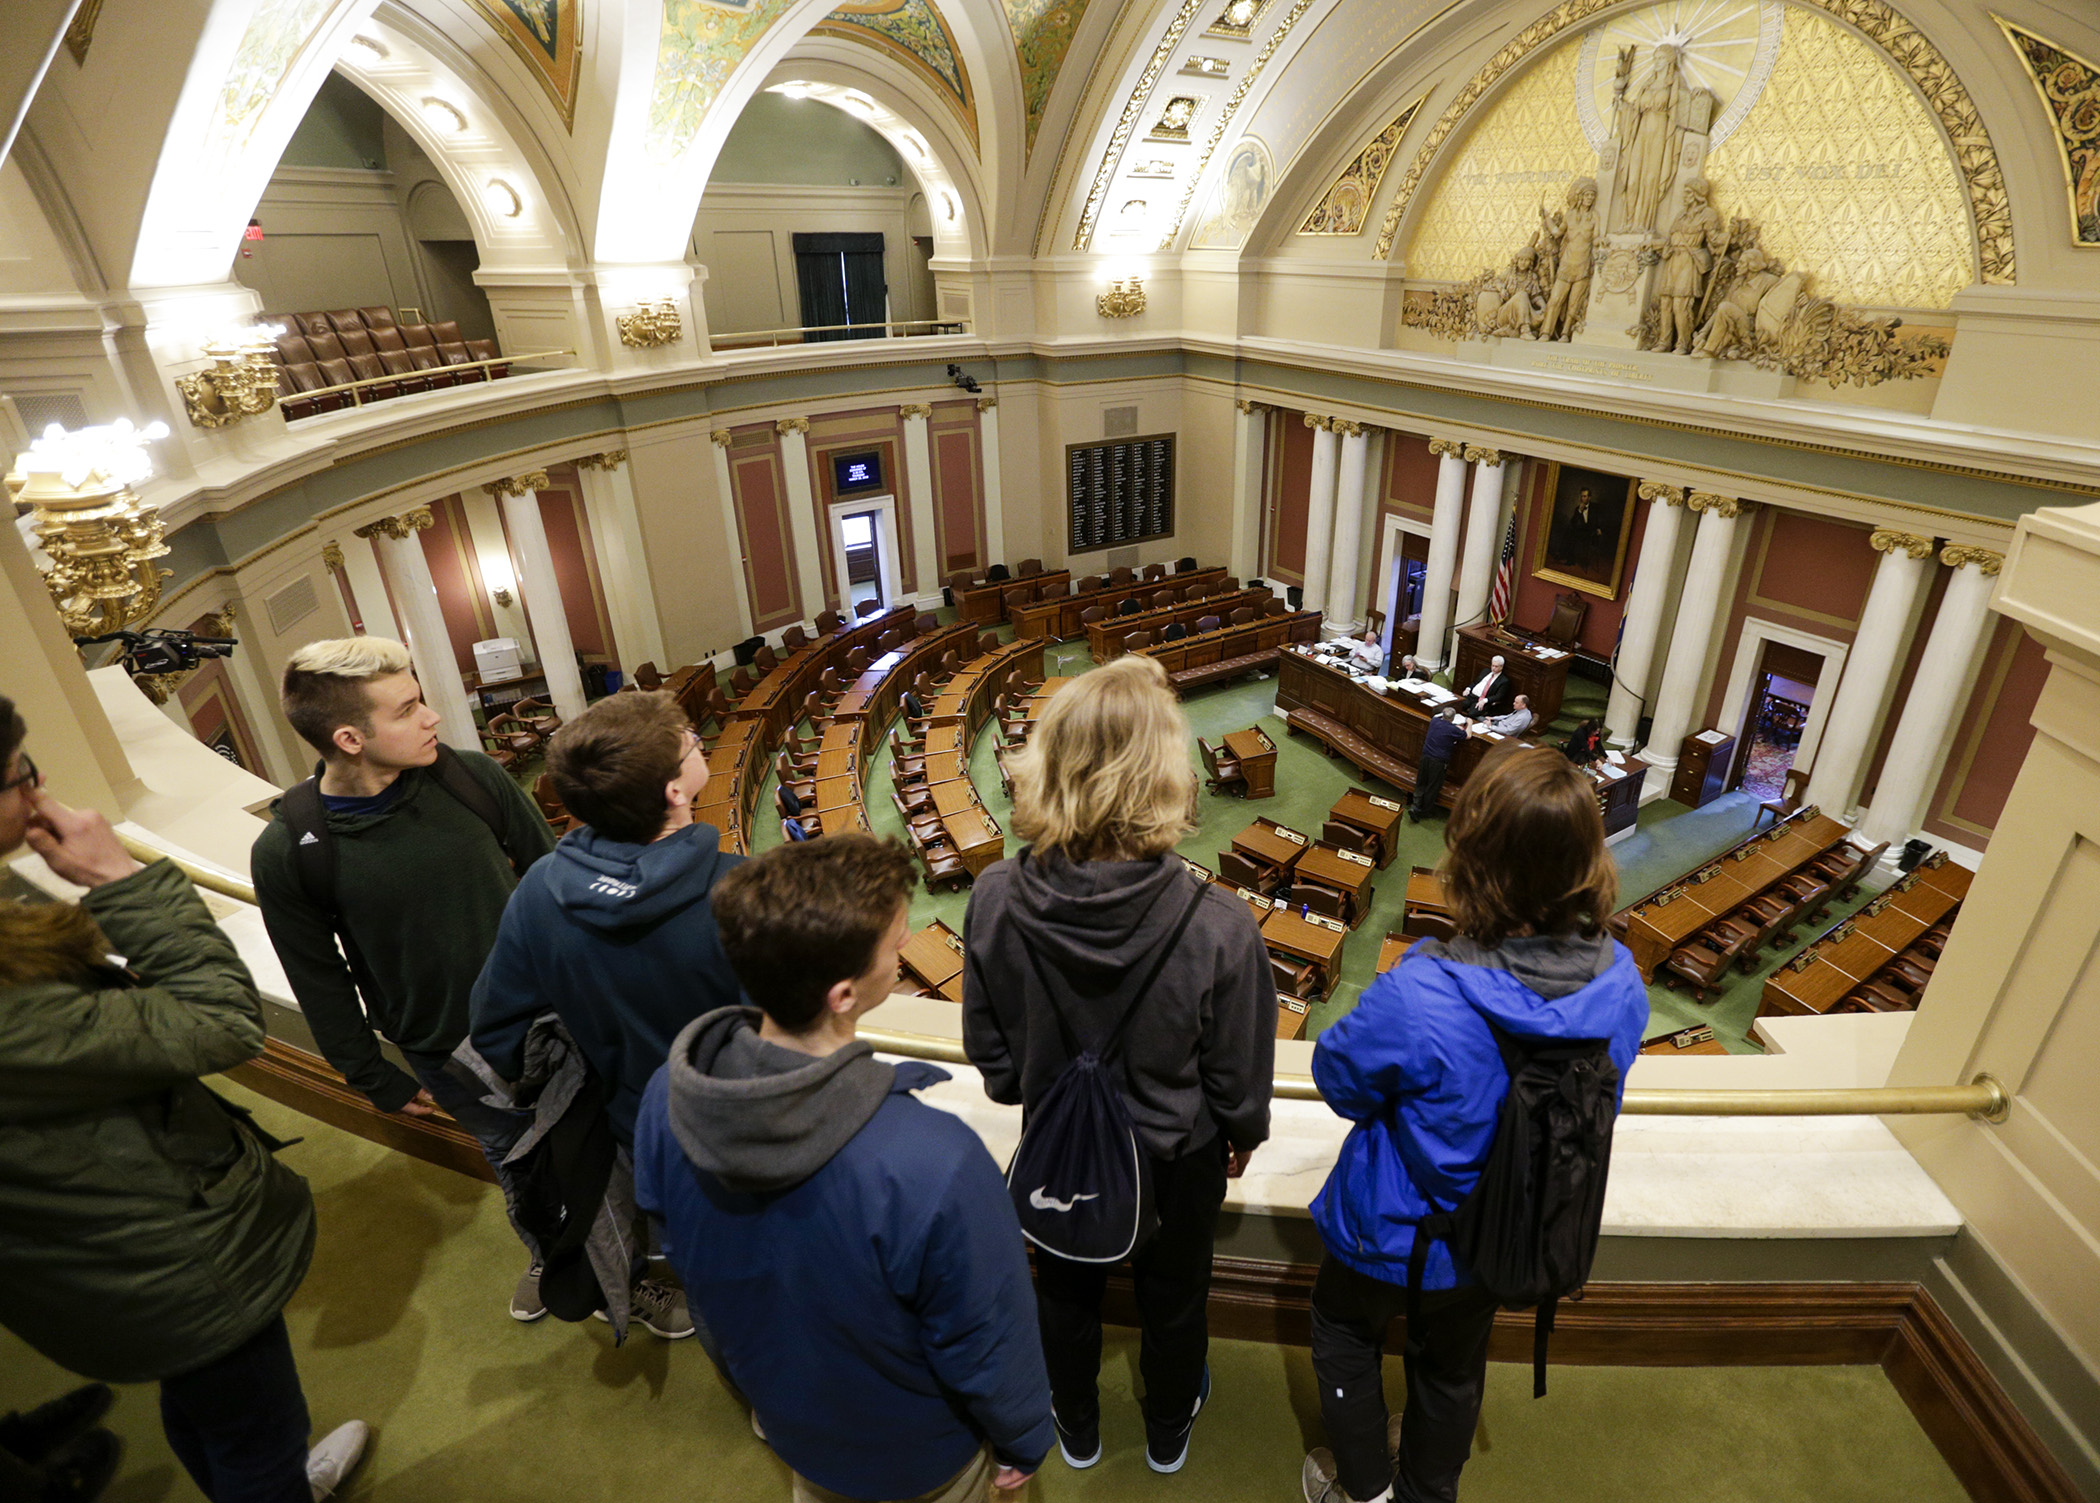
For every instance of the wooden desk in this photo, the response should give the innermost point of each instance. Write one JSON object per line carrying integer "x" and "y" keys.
{"x": 976, "y": 836}
{"x": 943, "y": 738}
{"x": 953, "y": 796}
{"x": 934, "y": 958}
{"x": 837, "y": 762}
{"x": 1256, "y": 754}
{"x": 1698, "y": 1040}
{"x": 1391, "y": 948}
{"x": 987, "y": 602}
{"x": 1272, "y": 843}
{"x": 1664, "y": 920}
{"x": 1314, "y": 938}
{"x": 1345, "y": 871}
{"x": 1838, "y": 963}
{"x": 945, "y": 766}
{"x": 1424, "y": 911}
{"x": 1104, "y": 639}
{"x": 1258, "y": 905}
{"x": 1538, "y": 677}
{"x": 1059, "y": 618}
{"x": 1619, "y": 793}
{"x": 834, "y": 792}
{"x": 1703, "y": 763}
{"x": 1371, "y": 814}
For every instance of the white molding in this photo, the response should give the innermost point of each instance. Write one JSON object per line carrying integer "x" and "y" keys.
{"x": 1749, "y": 647}
{"x": 887, "y": 575}
{"x": 1388, "y": 576}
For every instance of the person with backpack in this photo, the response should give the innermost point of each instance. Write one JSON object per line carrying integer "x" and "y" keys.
{"x": 1129, "y": 1009}
{"x": 382, "y": 881}
{"x": 1532, "y": 990}
{"x": 615, "y": 934}
{"x": 148, "y": 1233}
{"x": 850, "y": 1247}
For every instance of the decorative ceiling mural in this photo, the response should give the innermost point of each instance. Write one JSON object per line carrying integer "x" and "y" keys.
{"x": 913, "y": 32}
{"x": 1242, "y": 192}
{"x": 277, "y": 33}
{"x": 1345, "y": 205}
{"x": 2070, "y": 90}
{"x": 697, "y": 48}
{"x": 1896, "y": 44}
{"x": 543, "y": 35}
{"x": 1042, "y": 36}
{"x": 1230, "y": 108}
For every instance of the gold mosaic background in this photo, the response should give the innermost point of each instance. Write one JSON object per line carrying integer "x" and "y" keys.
{"x": 1840, "y": 162}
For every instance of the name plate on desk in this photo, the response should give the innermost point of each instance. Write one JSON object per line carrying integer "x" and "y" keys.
{"x": 1875, "y": 907}
{"x": 1295, "y": 1004}
{"x": 1353, "y": 856}
{"x": 954, "y": 942}
{"x": 1841, "y": 933}
{"x": 1705, "y": 874}
{"x": 1690, "y": 1036}
{"x": 1666, "y": 897}
{"x": 1257, "y": 899}
{"x": 1327, "y": 923}
{"x": 1268, "y": 745}
{"x": 1743, "y": 853}
{"x": 1801, "y": 962}
{"x": 1382, "y": 803}
{"x": 1287, "y": 833}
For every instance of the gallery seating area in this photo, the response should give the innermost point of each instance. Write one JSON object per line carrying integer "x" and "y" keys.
{"x": 329, "y": 361}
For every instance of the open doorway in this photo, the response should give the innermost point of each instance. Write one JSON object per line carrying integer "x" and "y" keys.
{"x": 1781, "y": 701}
{"x": 864, "y": 552}
{"x": 1401, "y": 583}
{"x": 863, "y": 556}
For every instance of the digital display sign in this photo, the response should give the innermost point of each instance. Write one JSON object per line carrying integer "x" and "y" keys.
{"x": 857, "y": 472}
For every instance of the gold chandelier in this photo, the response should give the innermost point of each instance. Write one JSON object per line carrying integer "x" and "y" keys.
{"x": 101, "y": 540}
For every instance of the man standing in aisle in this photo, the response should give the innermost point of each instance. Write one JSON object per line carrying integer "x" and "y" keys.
{"x": 853, "y": 1250}
{"x": 1440, "y": 743}
{"x": 382, "y": 880}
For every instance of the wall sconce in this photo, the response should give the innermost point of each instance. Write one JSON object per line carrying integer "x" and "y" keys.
{"x": 101, "y": 539}
{"x": 1124, "y": 299}
{"x": 241, "y": 383}
{"x": 501, "y": 199}
{"x": 496, "y": 573}
{"x": 651, "y": 324}
{"x": 502, "y": 596}
{"x": 444, "y": 116}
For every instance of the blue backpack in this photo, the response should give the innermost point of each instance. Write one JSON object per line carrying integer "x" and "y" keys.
{"x": 1080, "y": 1179}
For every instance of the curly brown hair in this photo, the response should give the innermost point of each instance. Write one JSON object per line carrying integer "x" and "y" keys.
{"x": 1525, "y": 850}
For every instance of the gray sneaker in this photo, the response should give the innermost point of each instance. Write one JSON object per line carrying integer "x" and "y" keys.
{"x": 525, "y": 1301}
{"x": 335, "y": 1456}
{"x": 660, "y": 1307}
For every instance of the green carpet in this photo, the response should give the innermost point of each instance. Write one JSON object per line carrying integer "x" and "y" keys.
{"x": 1670, "y": 840}
{"x": 402, "y": 1322}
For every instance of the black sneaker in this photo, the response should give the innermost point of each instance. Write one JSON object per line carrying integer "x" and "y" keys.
{"x": 1167, "y": 1447}
{"x": 80, "y": 1471}
{"x": 1080, "y": 1448}
{"x": 48, "y": 1428}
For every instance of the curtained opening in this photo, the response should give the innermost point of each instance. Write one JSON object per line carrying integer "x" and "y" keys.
{"x": 841, "y": 282}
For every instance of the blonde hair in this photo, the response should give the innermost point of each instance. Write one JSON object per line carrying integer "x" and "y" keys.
{"x": 1106, "y": 775}
{"x": 324, "y": 685}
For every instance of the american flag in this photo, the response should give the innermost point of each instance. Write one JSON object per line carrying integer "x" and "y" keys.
{"x": 1505, "y": 572}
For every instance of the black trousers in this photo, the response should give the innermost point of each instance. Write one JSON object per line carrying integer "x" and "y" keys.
{"x": 1172, "y": 1273}
{"x": 239, "y": 1425}
{"x": 1429, "y": 782}
{"x": 1446, "y": 1365}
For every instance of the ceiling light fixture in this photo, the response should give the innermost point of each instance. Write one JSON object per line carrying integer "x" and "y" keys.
{"x": 444, "y": 116}
{"x": 501, "y": 199}
{"x": 365, "y": 51}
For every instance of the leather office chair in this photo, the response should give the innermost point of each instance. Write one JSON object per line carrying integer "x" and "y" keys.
{"x": 902, "y": 745}
{"x": 1153, "y": 571}
{"x": 1184, "y": 565}
{"x": 829, "y": 622}
{"x": 1846, "y": 872}
{"x": 916, "y": 796}
{"x": 1175, "y": 632}
{"x": 1340, "y": 906}
{"x": 943, "y": 868}
{"x": 742, "y": 682}
{"x": 1121, "y": 576}
{"x": 515, "y": 734}
{"x": 1030, "y": 567}
{"x": 1347, "y": 837}
{"x": 857, "y": 661}
{"x": 1703, "y": 964}
{"x": 1208, "y": 624}
{"x": 549, "y": 801}
{"x": 791, "y": 805}
{"x": 764, "y": 659}
{"x": 1274, "y": 607}
{"x": 1221, "y": 772}
{"x": 717, "y": 708}
{"x": 1242, "y": 615}
{"x": 793, "y": 769}
{"x": 1092, "y": 614}
{"x": 1565, "y": 624}
{"x": 1161, "y": 599}
{"x": 997, "y": 574}
{"x": 904, "y": 767}
{"x": 866, "y": 609}
{"x": 816, "y": 712}
{"x": 923, "y": 829}
{"x": 926, "y": 622}
{"x": 791, "y": 830}
{"x": 1132, "y": 641}
{"x": 498, "y": 750}
{"x": 539, "y": 714}
{"x": 648, "y": 676}
{"x": 1006, "y": 777}
{"x": 794, "y": 639}
{"x": 1296, "y": 978}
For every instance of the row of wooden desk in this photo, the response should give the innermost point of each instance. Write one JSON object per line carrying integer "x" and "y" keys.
{"x": 1661, "y": 922}
{"x": 1104, "y": 638}
{"x": 987, "y": 601}
{"x": 1058, "y": 616}
{"x": 1855, "y": 951}
{"x": 1207, "y": 657}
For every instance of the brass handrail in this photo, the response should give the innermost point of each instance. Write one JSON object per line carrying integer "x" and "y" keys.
{"x": 396, "y": 378}
{"x": 930, "y": 326}
{"x": 1982, "y": 1097}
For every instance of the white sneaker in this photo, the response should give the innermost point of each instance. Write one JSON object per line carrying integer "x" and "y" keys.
{"x": 336, "y": 1457}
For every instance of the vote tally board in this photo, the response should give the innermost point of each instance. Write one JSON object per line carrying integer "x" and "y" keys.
{"x": 1120, "y": 492}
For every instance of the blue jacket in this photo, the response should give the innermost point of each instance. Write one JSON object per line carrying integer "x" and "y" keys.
{"x": 619, "y": 941}
{"x": 1442, "y": 739}
{"x": 1416, "y": 1068}
{"x": 854, "y": 1253}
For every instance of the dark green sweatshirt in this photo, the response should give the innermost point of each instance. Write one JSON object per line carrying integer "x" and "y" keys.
{"x": 422, "y": 888}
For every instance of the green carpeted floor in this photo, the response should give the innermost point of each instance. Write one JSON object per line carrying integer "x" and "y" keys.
{"x": 402, "y": 1322}
{"x": 1670, "y": 841}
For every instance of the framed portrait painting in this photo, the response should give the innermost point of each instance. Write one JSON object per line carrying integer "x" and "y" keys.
{"x": 1583, "y": 544}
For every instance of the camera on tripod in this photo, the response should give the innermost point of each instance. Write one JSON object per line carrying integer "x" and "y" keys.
{"x": 162, "y": 649}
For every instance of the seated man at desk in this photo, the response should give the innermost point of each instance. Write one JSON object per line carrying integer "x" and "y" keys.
{"x": 1440, "y": 742}
{"x": 1515, "y": 723}
{"x": 1368, "y": 656}
{"x": 1491, "y": 694}
{"x": 1409, "y": 670}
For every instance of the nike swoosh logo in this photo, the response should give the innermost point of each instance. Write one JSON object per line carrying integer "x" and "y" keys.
{"x": 1043, "y": 1202}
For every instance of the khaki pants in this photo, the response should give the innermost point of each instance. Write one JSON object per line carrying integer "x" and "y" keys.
{"x": 973, "y": 1484}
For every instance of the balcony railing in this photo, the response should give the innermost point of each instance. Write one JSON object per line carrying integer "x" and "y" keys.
{"x": 357, "y": 389}
{"x": 916, "y": 328}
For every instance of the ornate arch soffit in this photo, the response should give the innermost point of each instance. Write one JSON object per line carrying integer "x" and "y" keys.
{"x": 2069, "y": 86}
{"x": 916, "y": 35}
{"x": 543, "y": 35}
{"x": 1904, "y": 45}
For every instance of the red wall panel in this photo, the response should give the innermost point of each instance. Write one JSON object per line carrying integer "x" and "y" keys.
{"x": 957, "y": 492}
{"x": 1290, "y": 479}
{"x": 576, "y": 571}
{"x": 761, "y": 517}
{"x": 449, "y": 549}
{"x": 1996, "y": 731}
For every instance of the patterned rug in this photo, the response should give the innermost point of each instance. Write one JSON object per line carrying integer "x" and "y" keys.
{"x": 1764, "y": 774}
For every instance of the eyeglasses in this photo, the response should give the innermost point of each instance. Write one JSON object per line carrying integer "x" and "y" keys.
{"x": 30, "y": 777}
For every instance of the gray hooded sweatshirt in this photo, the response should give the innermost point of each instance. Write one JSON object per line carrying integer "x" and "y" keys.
{"x": 1198, "y": 1056}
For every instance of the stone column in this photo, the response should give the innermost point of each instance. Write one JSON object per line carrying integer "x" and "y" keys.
{"x": 1319, "y": 512}
{"x": 429, "y": 644}
{"x": 616, "y": 532}
{"x": 540, "y": 589}
{"x": 1876, "y": 650}
{"x": 1916, "y": 754}
{"x": 1697, "y": 615}
{"x": 1644, "y": 607}
{"x": 802, "y": 512}
{"x": 918, "y": 481}
{"x": 725, "y": 486}
{"x": 1250, "y": 423}
{"x": 994, "y": 497}
{"x": 1483, "y": 536}
{"x": 1443, "y": 552}
{"x": 1343, "y": 618}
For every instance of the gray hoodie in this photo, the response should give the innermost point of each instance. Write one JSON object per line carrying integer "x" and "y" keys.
{"x": 1198, "y": 1056}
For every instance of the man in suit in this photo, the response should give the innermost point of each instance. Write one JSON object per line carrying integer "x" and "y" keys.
{"x": 1439, "y": 744}
{"x": 1492, "y": 694}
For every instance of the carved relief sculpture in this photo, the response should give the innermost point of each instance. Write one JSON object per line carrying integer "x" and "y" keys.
{"x": 1572, "y": 233}
{"x": 1651, "y": 122}
{"x": 1696, "y": 237}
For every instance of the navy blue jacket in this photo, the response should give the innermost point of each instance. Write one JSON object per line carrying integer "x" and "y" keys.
{"x": 1416, "y": 1068}
{"x": 619, "y": 941}
{"x": 878, "y": 1314}
{"x": 1442, "y": 739}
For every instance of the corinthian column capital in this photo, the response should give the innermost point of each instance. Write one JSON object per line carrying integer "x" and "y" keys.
{"x": 1663, "y": 491}
{"x": 517, "y": 485}
{"x": 1720, "y": 506}
{"x": 791, "y": 425}
{"x": 722, "y": 437}
{"x": 1480, "y": 454}
{"x": 1889, "y": 540}
{"x": 1987, "y": 563}
{"x": 909, "y": 410}
{"x": 1447, "y": 448}
{"x": 404, "y": 525}
{"x": 1348, "y": 429}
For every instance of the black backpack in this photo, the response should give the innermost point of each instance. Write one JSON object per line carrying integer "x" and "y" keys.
{"x": 1528, "y": 1229}
{"x": 313, "y": 844}
{"x": 1080, "y": 1179}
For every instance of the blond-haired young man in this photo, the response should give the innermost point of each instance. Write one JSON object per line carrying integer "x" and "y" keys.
{"x": 382, "y": 881}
